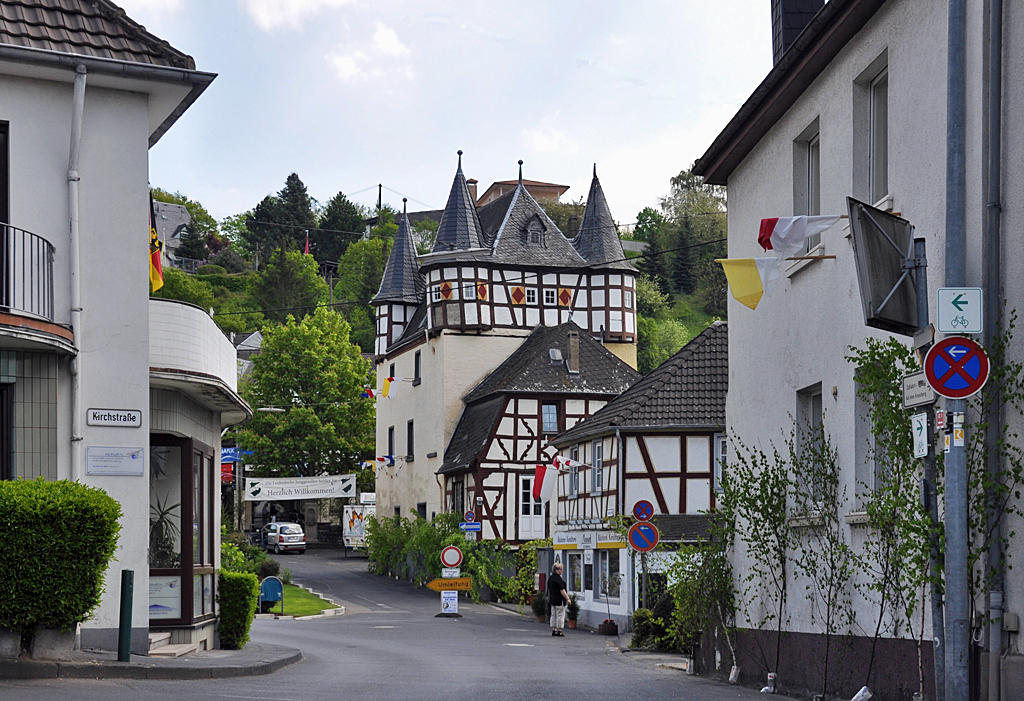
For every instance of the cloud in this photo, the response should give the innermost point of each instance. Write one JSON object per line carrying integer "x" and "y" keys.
{"x": 153, "y": 7}
{"x": 548, "y": 140}
{"x": 386, "y": 41}
{"x": 347, "y": 66}
{"x": 270, "y": 15}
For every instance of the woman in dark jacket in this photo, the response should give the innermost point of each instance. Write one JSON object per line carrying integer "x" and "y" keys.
{"x": 557, "y": 598}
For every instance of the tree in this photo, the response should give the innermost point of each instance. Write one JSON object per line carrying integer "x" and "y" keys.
{"x": 311, "y": 370}
{"x": 651, "y": 227}
{"x": 340, "y": 224}
{"x": 360, "y": 270}
{"x": 290, "y": 285}
{"x": 698, "y": 209}
{"x": 561, "y": 213}
{"x": 682, "y": 260}
{"x": 424, "y": 233}
{"x": 185, "y": 288}
{"x": 281, "y": 220}
{"x": 658, "y": 340}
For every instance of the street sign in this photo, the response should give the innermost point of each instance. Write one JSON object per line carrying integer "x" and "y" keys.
{"x": 919, "y": 430}
{"x": 450, "y": 572}
{"x": 453, "y": 584}
{"x": 451, "y": 557}
{"x": 917, "y": 391}
{"x": 643, "y": 510}
{"x": 469, "y": 516}
{"x": 960, "y": 310}
{"x": 470, "y": 526}
{"x": 958, "y": 437}
{"x": 643, "y": 536}
{"x": 956, "y": 367}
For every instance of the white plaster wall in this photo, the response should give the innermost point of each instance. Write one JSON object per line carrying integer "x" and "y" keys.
{"x": 184, "y": 337}
{"x": 800, "y": 335}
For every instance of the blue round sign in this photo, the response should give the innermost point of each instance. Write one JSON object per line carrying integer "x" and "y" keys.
{"x": 643, "y": 536}
{"x": 956, "y": 367}
{"x": 469, "y": 516}
{"x": 643, "y": 510}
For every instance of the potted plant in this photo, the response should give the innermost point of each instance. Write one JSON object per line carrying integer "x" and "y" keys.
{"x": 539, "y": 606}
{"x": 608, "y": 626}
{"x": 572, "y": 611}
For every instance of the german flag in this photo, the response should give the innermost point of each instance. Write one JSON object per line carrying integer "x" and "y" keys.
{"x": 156, "y": 250}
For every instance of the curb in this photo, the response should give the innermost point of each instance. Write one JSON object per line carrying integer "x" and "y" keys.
{"x": 324, "y": 613}
{"x": 142, "y": 667}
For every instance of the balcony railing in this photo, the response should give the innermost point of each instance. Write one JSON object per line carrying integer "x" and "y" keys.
{"x": 26, "y": 272}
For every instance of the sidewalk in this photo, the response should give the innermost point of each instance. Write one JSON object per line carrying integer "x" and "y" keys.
{"x": 255, "y": 659}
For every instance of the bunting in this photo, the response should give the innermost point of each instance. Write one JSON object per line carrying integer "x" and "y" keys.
{"x": 750, "y": 278}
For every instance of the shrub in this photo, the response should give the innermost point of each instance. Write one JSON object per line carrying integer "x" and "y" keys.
{"x": 238, "y": 593}
{"x": 268, "y": 567}
{"x": 540, "y": 604}
{"x": 229, "y": 260}
{"x": 210, "y": 269}
{"x": 643, "y": 629}
{"x": 59, "y": 539}
{"x": 572, "y": 612}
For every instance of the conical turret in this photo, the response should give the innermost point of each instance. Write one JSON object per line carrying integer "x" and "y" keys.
{"x": 402, "y": 281}
{"x": 598, "y": 237}
{"x": 460, "y": 225}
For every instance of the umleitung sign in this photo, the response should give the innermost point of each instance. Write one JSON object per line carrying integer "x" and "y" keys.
{"x": 453, "y": 584}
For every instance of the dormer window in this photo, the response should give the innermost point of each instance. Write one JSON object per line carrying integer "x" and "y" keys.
{"x": 533, "y": 233}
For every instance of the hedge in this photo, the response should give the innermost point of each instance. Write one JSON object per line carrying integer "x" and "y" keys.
{"x": 238, "y": 593}
{"x": 59, "y": 538}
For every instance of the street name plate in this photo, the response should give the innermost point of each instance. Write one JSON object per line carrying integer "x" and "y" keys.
{"x": 128, "y": 418}
{"x": 917, "y": 391}
{"x": 451, "y": 572}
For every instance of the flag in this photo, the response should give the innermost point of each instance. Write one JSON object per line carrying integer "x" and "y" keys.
{"x": 156, "y": 251}
{"x": 388, "y": 460}
{"x": 307, "y": 243}
{"x": 750, "y": 278}
{"x": 386, "y": 390}
{"x": 787, "y": 236}
{"x": 368, "y": 393}
{"x": 544, "y": 482}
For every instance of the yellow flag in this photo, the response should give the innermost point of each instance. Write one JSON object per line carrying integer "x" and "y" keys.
{"x": 744, "y": 280}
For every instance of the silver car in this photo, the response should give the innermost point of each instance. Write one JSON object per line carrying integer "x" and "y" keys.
{"x": 281, "y": 537}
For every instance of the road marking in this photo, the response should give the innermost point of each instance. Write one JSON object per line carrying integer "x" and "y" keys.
{"x": 385, "y": 626}
{"x": 518, "y": 630}
{"x": 518, "y": 645}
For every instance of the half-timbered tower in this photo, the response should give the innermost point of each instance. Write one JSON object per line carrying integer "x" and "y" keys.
{"x": 447, "y": 319}
{"x": 662, "y": 440}
{"x": 555, "y": 379}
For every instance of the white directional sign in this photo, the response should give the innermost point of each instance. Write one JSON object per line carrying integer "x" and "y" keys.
{"x": 919, "y": 429}
{"x": 960, "y": 310}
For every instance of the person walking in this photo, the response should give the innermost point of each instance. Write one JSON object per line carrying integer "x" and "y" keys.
{"x": 558, "y": 598}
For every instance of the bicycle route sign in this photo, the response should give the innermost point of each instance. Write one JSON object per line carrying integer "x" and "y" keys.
{"x": 956, "y": 367}
{"x": 960, "y": 310}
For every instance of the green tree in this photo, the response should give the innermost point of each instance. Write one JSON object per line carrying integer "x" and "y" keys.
{"x": 340, "y": 224}
{"x": 424, "y": 233}
{"x": 658, "y": 340}
{"x": 360, "y": 270}
{"x": 290, "y": 285}
{"x": 313, "y": 372}
{"x": 651, "y": 227}
{"x": 682, "y": 259}
{"x": 698, "y": 209}
{"x": 185, "y": 288}
{"x": 281, "y": 220}
{"x": 561, "y": 213}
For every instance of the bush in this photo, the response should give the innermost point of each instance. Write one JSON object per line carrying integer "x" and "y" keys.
{"x": 210, "y": 269}
{"x": 643, "y": 629}
{"x": 238, "y": 593}
{"x": 540, "y": 604}
{"x": 268, "y": 567}
{"x": 229, "y": 260}
{"x": 59, "y": 538}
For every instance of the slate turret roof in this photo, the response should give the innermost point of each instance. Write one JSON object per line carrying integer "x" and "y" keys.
{"x": 460, "y": 227}
{"x": 402, "y": 281}
{"x": 96, "y": 28}
{"x": 686, "y": 391}
{"x": 598, "y": 237}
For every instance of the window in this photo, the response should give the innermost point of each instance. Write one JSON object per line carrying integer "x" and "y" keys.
{"x": 409, "y": 442}
{"x": 421, "y": 510}
{"x": 435, "y": 293}
{"x": 7, "y": 431}
{"x": 416, "y": 360}
{"x": 721, "y": 452}
{"x": 807, "y": 176}
{"x": 469, "y": 290}
{"x": 531, "y": 295}
{"x": 391, "y": 370}
{"x": 878, "y": 156}
{"x": 549, "y": 298}
{"x": 597, "y": 462}
{"x": 627, "y": 299}
{"x": 809, "y": 427}
{"x": 4, "y": 176}
{"x": 608, "y": 573}
{"x": 391, "y": 440}
{"x": 574, "y": 572}
{"x": 398, "y": 511}
{"x": 574, "y": 472}
{"x": 549, "y": 415}
{"x": 459, "y": 496}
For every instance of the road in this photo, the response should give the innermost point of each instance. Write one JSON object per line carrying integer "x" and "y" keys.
{"x": 389, "y": 645}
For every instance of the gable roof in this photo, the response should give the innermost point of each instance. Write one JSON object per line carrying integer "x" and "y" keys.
{"x": 96, "y": 28}
{"x": 686, "y": 391}
{"x": 459, "y": 227}
{"x": 471, "y": 434}
{"x": 529, "y": 368}
{"x": 820, "y": 42}
{"x": 401, "y": 281}
{"x": 510, "y": 243}
{"x": 598, "y": 238}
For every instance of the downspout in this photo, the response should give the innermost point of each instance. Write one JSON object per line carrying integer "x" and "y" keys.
{"x": 621, "y": 499}
{"x": 78, "y": 108}
{"x": 991, "y": 242}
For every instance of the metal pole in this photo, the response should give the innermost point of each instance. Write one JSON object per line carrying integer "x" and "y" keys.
{"x": 124, "y": 631}
{"x": 991, "y": 274}
{"x": 957, "y": 596}
{"x": 643, "y": 566}
{"x": 938, "y": 627}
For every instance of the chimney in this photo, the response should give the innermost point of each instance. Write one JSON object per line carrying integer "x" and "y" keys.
{"x": 574, "y": 227}
{"x": 472, "y": 189}
{"x": 573, "y": 361}
{"x": 789, "y": 17}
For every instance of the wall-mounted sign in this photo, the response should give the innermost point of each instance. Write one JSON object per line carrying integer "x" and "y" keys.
{"x": 127, "y": 418}
{"x": 114, "y": 461}
{"x": 164, "y": 597}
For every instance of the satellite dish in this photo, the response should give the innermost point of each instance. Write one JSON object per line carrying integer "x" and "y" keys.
{"x": 883, "y": 248}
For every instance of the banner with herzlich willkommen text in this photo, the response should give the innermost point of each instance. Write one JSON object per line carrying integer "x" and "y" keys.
{"x": 283, "y": 488}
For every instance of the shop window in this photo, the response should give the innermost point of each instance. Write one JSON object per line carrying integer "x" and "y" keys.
{"x": 575, "y": 572}
{"x": 608, "y": 572}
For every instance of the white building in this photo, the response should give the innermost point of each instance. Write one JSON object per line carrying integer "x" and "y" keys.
{"x": 95, "y": 375}
{"x": 856, "y": 107}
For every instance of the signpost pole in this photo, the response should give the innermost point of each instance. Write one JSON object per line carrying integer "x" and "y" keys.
{"x": 643, "y": 565}
{"x": 930, "y": 493}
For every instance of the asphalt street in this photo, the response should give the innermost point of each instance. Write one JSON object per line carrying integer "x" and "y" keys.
{"x": 389, "y": 645}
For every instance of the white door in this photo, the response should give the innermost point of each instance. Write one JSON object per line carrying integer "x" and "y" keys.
{"x": 531, "y": 511}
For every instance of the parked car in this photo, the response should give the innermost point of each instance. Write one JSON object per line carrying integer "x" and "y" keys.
{"x": 281, "y": 537}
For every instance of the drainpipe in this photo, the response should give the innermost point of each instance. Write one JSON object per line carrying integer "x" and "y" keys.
{"x": 991, "y": 277}
{"x": 76, "y": 287}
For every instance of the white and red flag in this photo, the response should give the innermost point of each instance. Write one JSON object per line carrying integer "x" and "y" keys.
{"x": 544, "y": 482}
{"x": 787, "y": 236}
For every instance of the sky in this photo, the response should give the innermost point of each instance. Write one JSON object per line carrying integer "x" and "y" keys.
{"x": 350, "y": 93}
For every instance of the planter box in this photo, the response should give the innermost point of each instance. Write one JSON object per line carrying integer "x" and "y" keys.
{"x": 608, "y": 628}
{"x": 571, "y": 624}
{"x": 542, "y": 619}
{"x": 10, "y": 645}
{"x": 53, "y": 644}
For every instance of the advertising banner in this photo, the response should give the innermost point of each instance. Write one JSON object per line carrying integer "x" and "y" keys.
{"x": 285, "y": 488}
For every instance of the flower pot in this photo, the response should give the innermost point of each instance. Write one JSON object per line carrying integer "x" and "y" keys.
{"x": 608, "y": 628}
{"x": 571, "y": 624}
{"x": 542, "y": 619}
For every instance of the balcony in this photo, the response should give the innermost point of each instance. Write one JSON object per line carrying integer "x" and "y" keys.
{"x": 26, "y": 273}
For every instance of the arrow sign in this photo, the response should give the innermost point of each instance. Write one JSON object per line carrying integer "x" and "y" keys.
{"x": 959, "y": 310}
{"x": 919, "y": 422}
{"x": 959, "y": 302}
{"x": 455, "y": 584}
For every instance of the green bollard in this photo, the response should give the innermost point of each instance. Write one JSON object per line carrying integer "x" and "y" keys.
{"x": 124, "y": 632}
